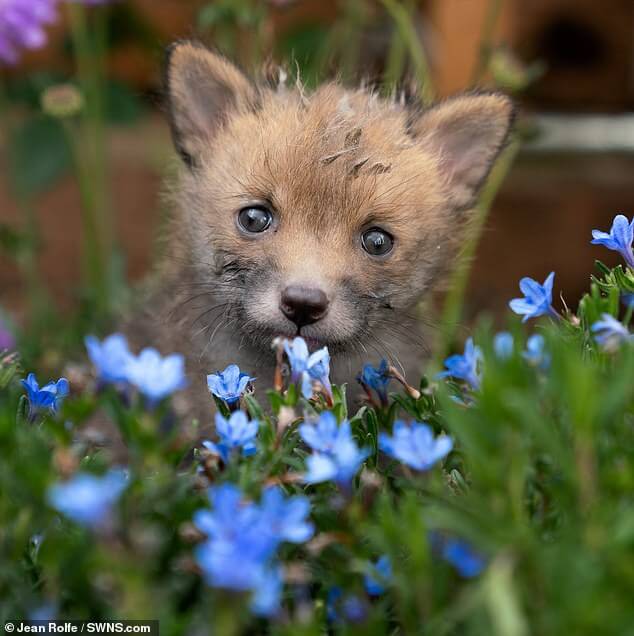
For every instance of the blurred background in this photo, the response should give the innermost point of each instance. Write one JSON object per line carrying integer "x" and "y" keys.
{"x": 85, "y": 148}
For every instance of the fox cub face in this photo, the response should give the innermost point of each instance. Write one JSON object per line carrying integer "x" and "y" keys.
{"x": 322, "y": 214}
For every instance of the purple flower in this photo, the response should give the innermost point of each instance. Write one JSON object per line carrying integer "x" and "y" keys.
{"x": 619, "y": 239}
{"x": 415, "y": 445}
{"x": 111, "y": 357}
{"x": 88, "y": 499}
{"x": 380, "y": 574}
{"x": 22, "y": 26}
{"x": 155, "y": 376}
{"x": 236, "y": 432}
{"x": 377, "y": 379}
{"x": 337, "y": 456}
{"x": 538, "y": 299}
{"x": 503, "y": 345}
{"x": 610, "y": 333}
{"x": 50, "y": 396}
{"x": 308, "y": 368}
{"x": 465, "y": 366}
{"x": 229, "y": 385}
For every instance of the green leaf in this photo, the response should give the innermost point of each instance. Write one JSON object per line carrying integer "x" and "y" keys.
{"x": 254, "y": 408}
{"x": 624, "y": 279}
{"x": 40, "y": 155}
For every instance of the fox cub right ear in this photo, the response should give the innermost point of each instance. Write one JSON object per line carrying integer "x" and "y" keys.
{"x": 202, "y": 89}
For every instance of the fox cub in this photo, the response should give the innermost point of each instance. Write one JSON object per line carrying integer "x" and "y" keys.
{"x": 328, "y": 214}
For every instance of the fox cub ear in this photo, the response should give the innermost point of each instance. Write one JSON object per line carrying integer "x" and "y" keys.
{"x": 467, "y": 133}
{"x": 202, "y": 89}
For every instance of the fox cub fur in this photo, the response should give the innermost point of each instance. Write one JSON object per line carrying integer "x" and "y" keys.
{"x": 328, "y": 214}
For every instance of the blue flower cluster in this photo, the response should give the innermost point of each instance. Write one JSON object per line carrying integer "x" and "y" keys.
{"x": 243, "y": 538}
{"x": 336, "y": 456}
{"x": 154, "y": 376}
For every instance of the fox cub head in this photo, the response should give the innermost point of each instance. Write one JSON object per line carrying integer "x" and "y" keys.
{"x": 322, "y": 214}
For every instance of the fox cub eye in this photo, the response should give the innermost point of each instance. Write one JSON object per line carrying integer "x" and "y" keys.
{"x": 377, "y": 242}
{"x": 255, "y": 219}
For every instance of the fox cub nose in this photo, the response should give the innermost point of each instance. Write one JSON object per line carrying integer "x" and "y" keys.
{"x": 303, "y": 305}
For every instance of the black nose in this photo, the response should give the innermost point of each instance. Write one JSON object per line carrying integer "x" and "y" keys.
{"x": 303, "y": 305}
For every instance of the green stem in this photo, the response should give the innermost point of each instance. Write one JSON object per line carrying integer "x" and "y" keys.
{"x": 454, "y": 302}
{"x": 90, "y": 150}
{"x": 405, "y": 27}
{"x": 486, "y": 41}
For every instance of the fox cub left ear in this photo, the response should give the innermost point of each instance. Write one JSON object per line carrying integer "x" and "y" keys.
{"x": 203, "y": 88}
{"x": 467, "y": 133}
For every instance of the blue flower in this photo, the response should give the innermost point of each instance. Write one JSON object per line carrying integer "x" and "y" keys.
{"x": 50, "y": 396}
{"x": 353, "y": 608}
{"x": 503, "y": 345}
{"x": 155, "y": 376}
{"x": 377, "y": 379}
{"x": 538, "y": 300}
{"x": 267, "y": 592}
{"x": 237, "y": 552}
{"x": 286, "y": 518}
{"x": 229, "y": 385}
{"x": 610, "y": 333}
{"x": 415, "y": 445}
{"x": 337, "y": 456}
{"x": 110, "y": 357}
{"x": 46, "y": 612}
{"x": 535, "y": 354}
{"x": 619, "y": 239}
{"x": 307, "y": 369}
{"x": 237, "y": 432}
{"x": 242, "y": 539}
{"x": 463, "y": 557}
{"x": 88, "y": 499}
{"x": 380, "y": 574}
{"x": 466, "y": 366}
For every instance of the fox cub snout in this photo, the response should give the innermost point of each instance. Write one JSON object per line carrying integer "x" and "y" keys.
{"x": 328, "y": 214}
